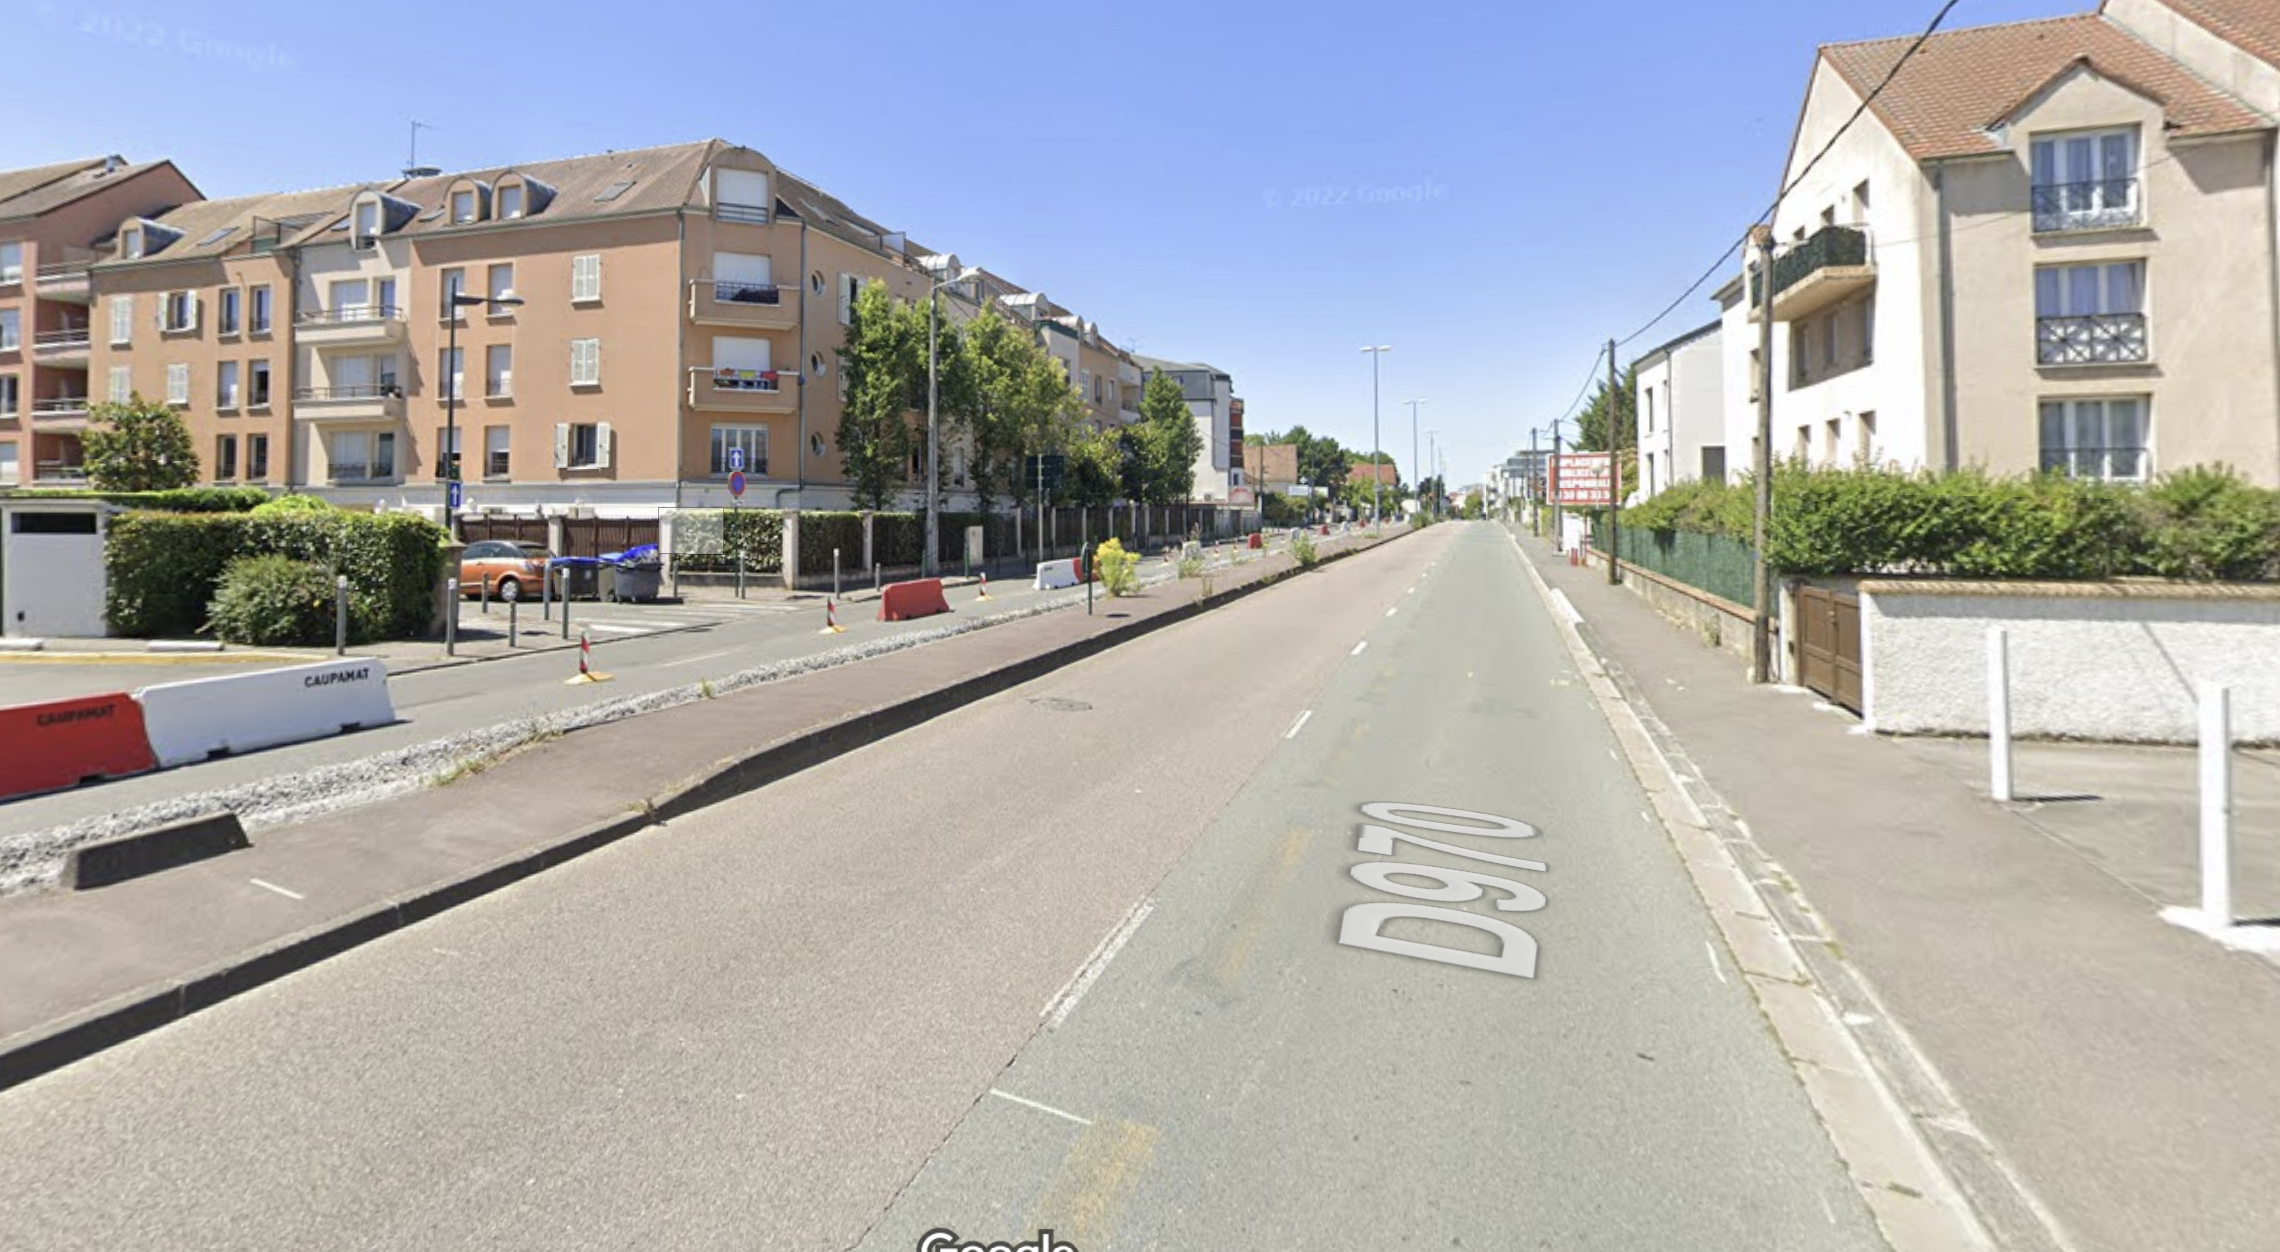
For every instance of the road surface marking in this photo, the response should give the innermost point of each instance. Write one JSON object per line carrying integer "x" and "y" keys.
{"x": 1359, "y": 647}
{"x": 1292, "y": 733}
{"x": 1567, "y": 608}
{"x": 1087, "y": 1196}
{"x": 702, "y": 656}
{"x": 1715, "y": 967}
{"x": 1042, "y": 1108}
{"x": 1092, "y": 970}
{"x": 614, "y": 627}
{"x": 270, "y": 886}
{"x": 1395, "y": 609}
{"x": 1412, "y": 590}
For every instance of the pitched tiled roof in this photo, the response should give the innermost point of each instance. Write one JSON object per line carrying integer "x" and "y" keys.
{"x": 2252, "y": 25}
{"x": 29, "y": 193}
{"x": 279, "y": 216}
{"x": 658, "y": 178}
{"x": 14, "y": 183}
{"x": 1962, "y": 82}
{"x": 1388, "y": 473}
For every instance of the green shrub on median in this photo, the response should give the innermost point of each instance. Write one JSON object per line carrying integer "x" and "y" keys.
{"x": 1302, "y": 547}
{"x": 166, "y": 567}
{"x": 1119, "y": 570}
{"x": 273, "y": 601}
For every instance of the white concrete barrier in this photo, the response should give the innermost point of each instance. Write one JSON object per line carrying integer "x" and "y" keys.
{"x": 190, "y": 721}
{"x": 1054, "y": 575}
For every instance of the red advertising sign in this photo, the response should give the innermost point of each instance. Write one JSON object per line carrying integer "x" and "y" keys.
{"x": 1583, "y": 480}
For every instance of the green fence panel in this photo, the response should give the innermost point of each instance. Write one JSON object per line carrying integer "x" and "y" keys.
{"x": 1723, "y": 567}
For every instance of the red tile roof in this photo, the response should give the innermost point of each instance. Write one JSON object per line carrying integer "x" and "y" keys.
{"x": 1361, "y": 473}
{"x": 1964, "y": 81}
{"x": 2252, "y": 25}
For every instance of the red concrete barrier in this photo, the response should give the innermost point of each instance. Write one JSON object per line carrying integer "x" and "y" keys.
{"x": 62, "y": 743}
{"x": 920, "y": 597}
{"x": 1256, "y": 537}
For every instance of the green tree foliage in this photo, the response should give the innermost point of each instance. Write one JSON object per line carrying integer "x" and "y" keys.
{"x": 883, "y": 362}
{"x": 1119, "y": 570}
{"x": 1169, "y": 443}
{"x": 139, "y": 446}
{"x": 273, "y": 601}
{"x": 1625, "y": 405}
{"x": 1095, "y": 474}
{"x": 1015, "y": 401}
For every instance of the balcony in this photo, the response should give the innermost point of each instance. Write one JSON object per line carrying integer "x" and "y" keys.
{"x": 1832, "y": 266}
{"x": 370, "y": 402}
{"x": 723, "y": 303}
{"x": 66, "y": 346}
{"x": 2092, "y": 339}
{"x": 740, "y": 391}
{"x": 59, "y": 474}
{"x": 67, "y": 280}
{"x": 2108, "y": 204}
{"x": 60, "y": 412}
{"x": 1129, "y": 417}
{"x": 351, "y": 326}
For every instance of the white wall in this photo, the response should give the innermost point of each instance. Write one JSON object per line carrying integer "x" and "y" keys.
{"x": 1687, "y": 391}
{"x": 52, "y": 585}
{"x": 2092, "y": 661}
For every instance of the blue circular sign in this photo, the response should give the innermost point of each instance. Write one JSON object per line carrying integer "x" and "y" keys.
{"x": 736, "y": 484}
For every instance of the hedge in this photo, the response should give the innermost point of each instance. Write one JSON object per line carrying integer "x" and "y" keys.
{"x": 821, "y": 531}
{"x": 759, "y": 533}
{"x": 165, "y": 567}
{"x": 2200, "y": 523}
{"x": 181, "y": 500}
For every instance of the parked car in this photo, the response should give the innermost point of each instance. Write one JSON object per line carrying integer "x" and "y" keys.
{"x": 503, "y": 569}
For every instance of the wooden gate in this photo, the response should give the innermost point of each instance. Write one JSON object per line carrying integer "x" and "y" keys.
{"x": 1828, "y": 639}
{"x": 592, "y": 536}
{"x": 478, "y": 528}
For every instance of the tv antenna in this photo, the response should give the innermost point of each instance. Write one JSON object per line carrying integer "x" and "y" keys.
{"x": 412, "y": 166}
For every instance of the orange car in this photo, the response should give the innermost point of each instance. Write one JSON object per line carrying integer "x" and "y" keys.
{"x": 503, "y": 569}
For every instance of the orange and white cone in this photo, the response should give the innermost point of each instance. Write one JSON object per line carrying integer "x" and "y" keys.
{"x": 586, "y": 672}
{"x": 985, "y": 586}
{"x": 831, "y": 624}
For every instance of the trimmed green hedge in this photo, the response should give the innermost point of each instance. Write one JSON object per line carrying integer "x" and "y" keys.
{"x": 2200, "y": 523}
{"x": 758, "y": 532}
{"x": 165, "y": 567}
{"x": 821, "y": 531}
{"x": 182, "y": 500}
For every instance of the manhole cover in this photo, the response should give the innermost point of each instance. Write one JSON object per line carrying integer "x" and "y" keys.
{"x": 1056, "y": 704}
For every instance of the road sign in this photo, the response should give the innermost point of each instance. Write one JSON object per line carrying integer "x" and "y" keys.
{"x": 736, "y": 484}
{"x": 1055, "y": 465}
{"x": 736, "y": 459}
{"x": 1583, "y": 480}
{"x": 456, "y": 494}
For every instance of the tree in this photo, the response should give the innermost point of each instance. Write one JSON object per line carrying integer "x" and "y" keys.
{"x": 1169, "y": 443}
{"x": 1321, "y": 461}
{"x": 1593, "y": 436}
{"x": 1095, "y": 468}
{"x": 1016, "y": 401}
{"x": 139, "y": 446}
{"x": 884, "y": 353}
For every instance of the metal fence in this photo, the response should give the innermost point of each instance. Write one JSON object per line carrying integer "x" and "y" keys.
{"x": 1712, "y": 563}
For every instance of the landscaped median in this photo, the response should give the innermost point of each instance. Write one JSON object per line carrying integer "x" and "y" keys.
{"x": 77, "y": 968}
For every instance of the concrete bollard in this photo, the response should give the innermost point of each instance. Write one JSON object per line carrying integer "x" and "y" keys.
{"x": 2216, "y": 804}
{"x": 451, "y": 616}
{"x": 340, "y": 615}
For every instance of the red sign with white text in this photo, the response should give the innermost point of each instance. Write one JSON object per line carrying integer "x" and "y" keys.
{"x": 1583, "y": 480}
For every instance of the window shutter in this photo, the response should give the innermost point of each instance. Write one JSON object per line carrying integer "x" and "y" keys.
{"x": 847, "y": 285}
{"x": 562, "y": 445}
{"x": 593, "y": 360}
{"x": 602, "y": 444}
{"x": 594, "y": 277}
{"x": 122, "y": 318}
{"x": 196, "y": 304}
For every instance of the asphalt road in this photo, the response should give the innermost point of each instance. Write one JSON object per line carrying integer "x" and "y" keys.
{"x": 1069, "y": 957}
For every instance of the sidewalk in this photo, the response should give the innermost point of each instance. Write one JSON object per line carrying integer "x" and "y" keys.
{"x": 2121, "y": 1071}
{"x": 80, "y": 971}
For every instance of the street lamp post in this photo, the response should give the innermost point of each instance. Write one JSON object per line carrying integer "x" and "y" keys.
{"x": 1439, "y": 488}
{"x": 933, "y": 424}
{"x": 1415, "y": 466}
{"x": 1377, "y": 451}
{"x": 450, "y": 452}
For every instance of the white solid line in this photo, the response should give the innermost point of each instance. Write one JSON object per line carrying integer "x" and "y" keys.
{"x": 1042, "y": 1108}
{"x": 1292, "y": 733}
{"x": 615, "y": 627}
{"x": 1359, "y": 647}
{"x": 1099, "y": 964}
{"x": 1567, "y": 607}
{"x": 270, "y": 886}
{"x": 1395, "y": 609}
{"x": 1715, "y": 967}
{"x": 703, "y": 656}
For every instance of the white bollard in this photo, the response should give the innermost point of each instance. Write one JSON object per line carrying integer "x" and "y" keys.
{"x": 2216, "y": 805}
{"x": 1999, "y": 714}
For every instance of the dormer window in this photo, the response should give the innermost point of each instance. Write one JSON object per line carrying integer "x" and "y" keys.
{"x": 131, "y": 243}
{"x": 740, "y": 196}
{"x": 463, "y": 206}
{"x": 511, "y": 200}
{"x": 367, "y": 219}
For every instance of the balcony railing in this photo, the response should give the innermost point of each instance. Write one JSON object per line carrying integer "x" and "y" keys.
{"x": 1830, "y": 247}
{"x": 755, "y": 213}
{"x": 2102, "y": 205}
{"x": 350, "y": 314}
{"x": 746, "y": 380}
{"x": 356, "y": 391}
{"x": 59, "y": 472}
{"x": 68, "y": 337}
{"x": 747, "y": 293}
{"x": 2091, "y": 339}
{"x": 60, "y": 406}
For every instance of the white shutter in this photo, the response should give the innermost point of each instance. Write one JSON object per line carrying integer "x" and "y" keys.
{"x": 195, "y": 303}
{"x": 602, "y": 445}
{"x": 178, "y": 384}
{"x": 122, "y": 384}
{"x": 562, "y": 445}
{"x": 847, "y": 286}
{"x": 743, "y": 267}
{"x": 737, "y": 353}
{"x": 122, "y": 319}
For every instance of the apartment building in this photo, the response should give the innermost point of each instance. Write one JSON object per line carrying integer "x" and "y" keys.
{"x": 52, "y": 220}
{"x": 2046, "y": 245}
{"x": 1210, "y": 394}
{"x": 1680, "y": 410}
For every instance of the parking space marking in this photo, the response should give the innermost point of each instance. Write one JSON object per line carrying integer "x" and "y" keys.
{"x": 270, "y": 886}
{"x": 1042, "y": 1108}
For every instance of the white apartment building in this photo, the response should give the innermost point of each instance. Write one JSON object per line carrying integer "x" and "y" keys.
{"x": 1680, "y": 404}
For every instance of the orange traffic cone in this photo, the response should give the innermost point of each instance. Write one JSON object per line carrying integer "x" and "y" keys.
{"x": 586, "y": 672}
{"x": 831, "y": 624}
{"x": 985, "y": 586}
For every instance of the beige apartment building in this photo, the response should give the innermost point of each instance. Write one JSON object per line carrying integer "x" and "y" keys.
{"x": 2046, "y": 245}
{"x": 51, "y": 220}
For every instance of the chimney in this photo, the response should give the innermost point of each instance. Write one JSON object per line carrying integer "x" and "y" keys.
{"x": 112, "y": 163}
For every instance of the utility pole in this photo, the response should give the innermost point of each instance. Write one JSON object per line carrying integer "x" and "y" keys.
{"x": 1535, "y": 476}
{"x": 1377, "y": 447}
{"x": 1416, "y": 466}
{"x": 1615, "y": 478}
{"x": 1761, "y": 621}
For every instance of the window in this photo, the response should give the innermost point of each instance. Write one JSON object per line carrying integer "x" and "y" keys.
{"x": 495, "y": 444}
{"x": 1829, "y": 341}
{"x": 1086, "y": 386}
{"x": 815, "y": 283}
{"x": 2090, "y": 314}
{"x": 10, "y": 389}
{"x": 351, "y": 299}
{"x": 448, "y": 444}
{"x": 256, "y": 458}
{"x": 131, "y": 242}
{"x": 226, "y": 385}
{"x": 367, "y": 220}
{"x": 499, "y": 371}
{"x": 740, "y": 195}
{"x": 362, "y": 455}
{"x": 232, "y": 311}
{"x": 1832, "y": 434}
{"x": 581, "y": 445}
{"x": 613, "y": 191}
{"x": 8, "y": 463}
{"x": 11, "y": 329}
{"x": 122, "y": 385}
{"x": 1868, "y": 330}
{"x": 1647, "y": 410}
{"x": 257, "y": 385}
{"x": 1860, "y": 204}
{"x": 451, "y": 366}
{"x": 2085, "y": 181}
{"x": 2096, "y": 438}
{"x": 387, "y": 297}
{"x": 122, "y": 320}
{"x": 585, "y": 362}
{"x": 462, "y": 206}
{"x": 180, "y": 312}
{"x": 225, "y": 457}
{"x": 454, "y": 282}
{"x": 11, "y": 262}
{"x": 1829, "y": 216}
{"x": 849, "y": 285}
{"x": 511, "y": 200}
{"x": 1803, "y": 449}
{"x": 1714, "y": 463}
{"x": 752, "y": 439}
{"x": 502, "y": 285}
{"x": 586, "y": 277}
{"x": 815, "y": 444}
{"x": 1866, "y": 433}
{"x": 815, "y": 364}
{"x": 258, "y": 321}
{"x": 178, "y": 384}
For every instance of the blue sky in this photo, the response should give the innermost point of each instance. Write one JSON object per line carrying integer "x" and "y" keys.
{"x": 1491, "y": 189}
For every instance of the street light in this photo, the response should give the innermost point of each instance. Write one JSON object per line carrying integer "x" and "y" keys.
{"x": 1415, "y": 466}
{"x": 1377, "y": 505}
{"x": 1439, "y": 487}
{"x": 933, "y": 471}
{"x": 458, "y": 300}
